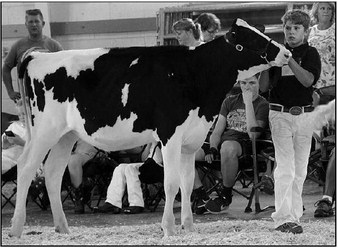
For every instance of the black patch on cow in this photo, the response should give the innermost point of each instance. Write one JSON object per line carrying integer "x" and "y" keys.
{"x": 164, "y": 85}
{"x": 27, "y": 83}
{"x": 40, "y": 94}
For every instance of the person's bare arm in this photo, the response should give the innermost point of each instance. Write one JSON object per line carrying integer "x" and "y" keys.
{"x": 7, "y": 79}
{"x": 215, "y": 137}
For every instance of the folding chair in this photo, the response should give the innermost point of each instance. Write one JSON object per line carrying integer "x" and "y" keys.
{"x": 256, "y": 158}
{"x": 97, "y": 173}
{"x": 8, "y": 178}
{"x": 37, "y": 191}
{"x": 248, "y": 174}
{"x": 152, "y": 178}
{"x": 6, "y": 119}
{"x": 319, "y": 158}
{"x": 153, "y": 194}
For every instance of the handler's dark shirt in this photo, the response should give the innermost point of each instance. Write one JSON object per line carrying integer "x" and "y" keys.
{"x": 287, "y": 90}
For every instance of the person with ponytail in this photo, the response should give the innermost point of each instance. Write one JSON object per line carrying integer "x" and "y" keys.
{"x": 188, "y": 33}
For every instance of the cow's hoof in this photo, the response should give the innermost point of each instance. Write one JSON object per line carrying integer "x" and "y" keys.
{"x": 168, "y": 232}
{"x": 13, "y": 233}
{"x": 188, "y": 228}
{"x": 61, "y": 230}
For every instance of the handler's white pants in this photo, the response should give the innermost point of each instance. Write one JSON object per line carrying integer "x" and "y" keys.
{"x": 125, "y": 174}
{"x": 292, "y": 141}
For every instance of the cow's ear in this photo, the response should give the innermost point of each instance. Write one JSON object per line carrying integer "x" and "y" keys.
{"x": 234, "y": 23}
{"x": 260, "y": 27}
{"x": 231, "y": 36}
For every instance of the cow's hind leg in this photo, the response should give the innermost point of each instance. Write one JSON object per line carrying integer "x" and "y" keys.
{"x": 171, "y": 185}
{"x": 54, "y": 169}
{"x": 28, "y": 163}
{"x": 187, "y": 174}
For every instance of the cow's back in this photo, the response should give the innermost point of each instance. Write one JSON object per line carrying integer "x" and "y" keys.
{"x": 108, "y": 85}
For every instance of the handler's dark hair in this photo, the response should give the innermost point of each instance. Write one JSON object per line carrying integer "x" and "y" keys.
{"x": 297, "y": 16}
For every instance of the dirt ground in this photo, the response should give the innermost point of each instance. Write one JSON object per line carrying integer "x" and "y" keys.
{"x": 35, "y": 216}
{"x": 234, "y": 228}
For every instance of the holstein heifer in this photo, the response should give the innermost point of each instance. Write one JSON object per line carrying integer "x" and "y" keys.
{"x": 121, "y": 98}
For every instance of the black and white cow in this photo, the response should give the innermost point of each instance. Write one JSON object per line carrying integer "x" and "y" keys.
{"x": 121, "y": 98}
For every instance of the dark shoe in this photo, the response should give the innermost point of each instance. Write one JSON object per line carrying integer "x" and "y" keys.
{"x": 324, "y": 208}
{"x": 200, "y": 207}
{"x": 37, "y": 187}
{"x": 290, "y": 227}
{"x": 133, "y": 210}
{"x": 77, "y": 196}
{"x": 267, "y": 185}
{"x": 107, "y": 208}
{"x": 218, "y": 205}
{"x": 78, "y": 207}
{"x": 201, "y": 199}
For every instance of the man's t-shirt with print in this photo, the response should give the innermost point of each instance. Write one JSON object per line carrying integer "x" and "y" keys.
{"x": 233, "y": 108}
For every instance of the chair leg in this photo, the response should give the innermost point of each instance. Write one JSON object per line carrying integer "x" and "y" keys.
{"x": 248, "y": 208}
{"x": 8, "y": 199}
{"x": 256, "y": 184}
{"x": 157, "y": 199}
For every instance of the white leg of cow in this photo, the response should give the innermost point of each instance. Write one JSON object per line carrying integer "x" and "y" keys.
{"x": 187, "y": 174}
{"x": 28, "y": 163}
{"x": 54, "y": 169}
{"x": 171, "y": 161}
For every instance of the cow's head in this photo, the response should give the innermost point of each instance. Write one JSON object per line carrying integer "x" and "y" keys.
{"x": 242, "y": 35}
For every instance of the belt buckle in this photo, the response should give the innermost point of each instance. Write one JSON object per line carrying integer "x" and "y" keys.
{"x": 296, "y": 110}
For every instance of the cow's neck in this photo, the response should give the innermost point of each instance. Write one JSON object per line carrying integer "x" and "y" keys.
{"x": 218, "y": 65}
{"x": 216, "y": 75}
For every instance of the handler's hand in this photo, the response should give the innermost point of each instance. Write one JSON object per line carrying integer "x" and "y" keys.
{"x": 14, "y": 95}
{"x": 247, "y": 97}
{"x": 211, "y": 155}
{"x": 209, "y": 158}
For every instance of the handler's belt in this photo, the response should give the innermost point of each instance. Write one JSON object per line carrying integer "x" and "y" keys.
{"x": 295, "y": 110}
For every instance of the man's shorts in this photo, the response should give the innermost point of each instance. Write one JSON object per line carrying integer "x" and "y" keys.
{"x": 244, "y": 140}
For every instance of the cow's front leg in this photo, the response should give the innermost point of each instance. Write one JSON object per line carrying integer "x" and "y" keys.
{"x": 171, "y": 161}
{"x": 187, "y": 174}
{"x": 54, "y": 169}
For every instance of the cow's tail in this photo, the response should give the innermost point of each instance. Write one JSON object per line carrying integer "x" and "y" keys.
{"x": 24, "y": 96}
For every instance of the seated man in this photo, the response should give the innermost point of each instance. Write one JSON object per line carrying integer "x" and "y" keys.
{"x": 199, "y": 187}
{"x": 127, "y": 174}
{"x": 324, "y": 206}
{"x": 238, "y": 114}
{"x": 13, "y": 140}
